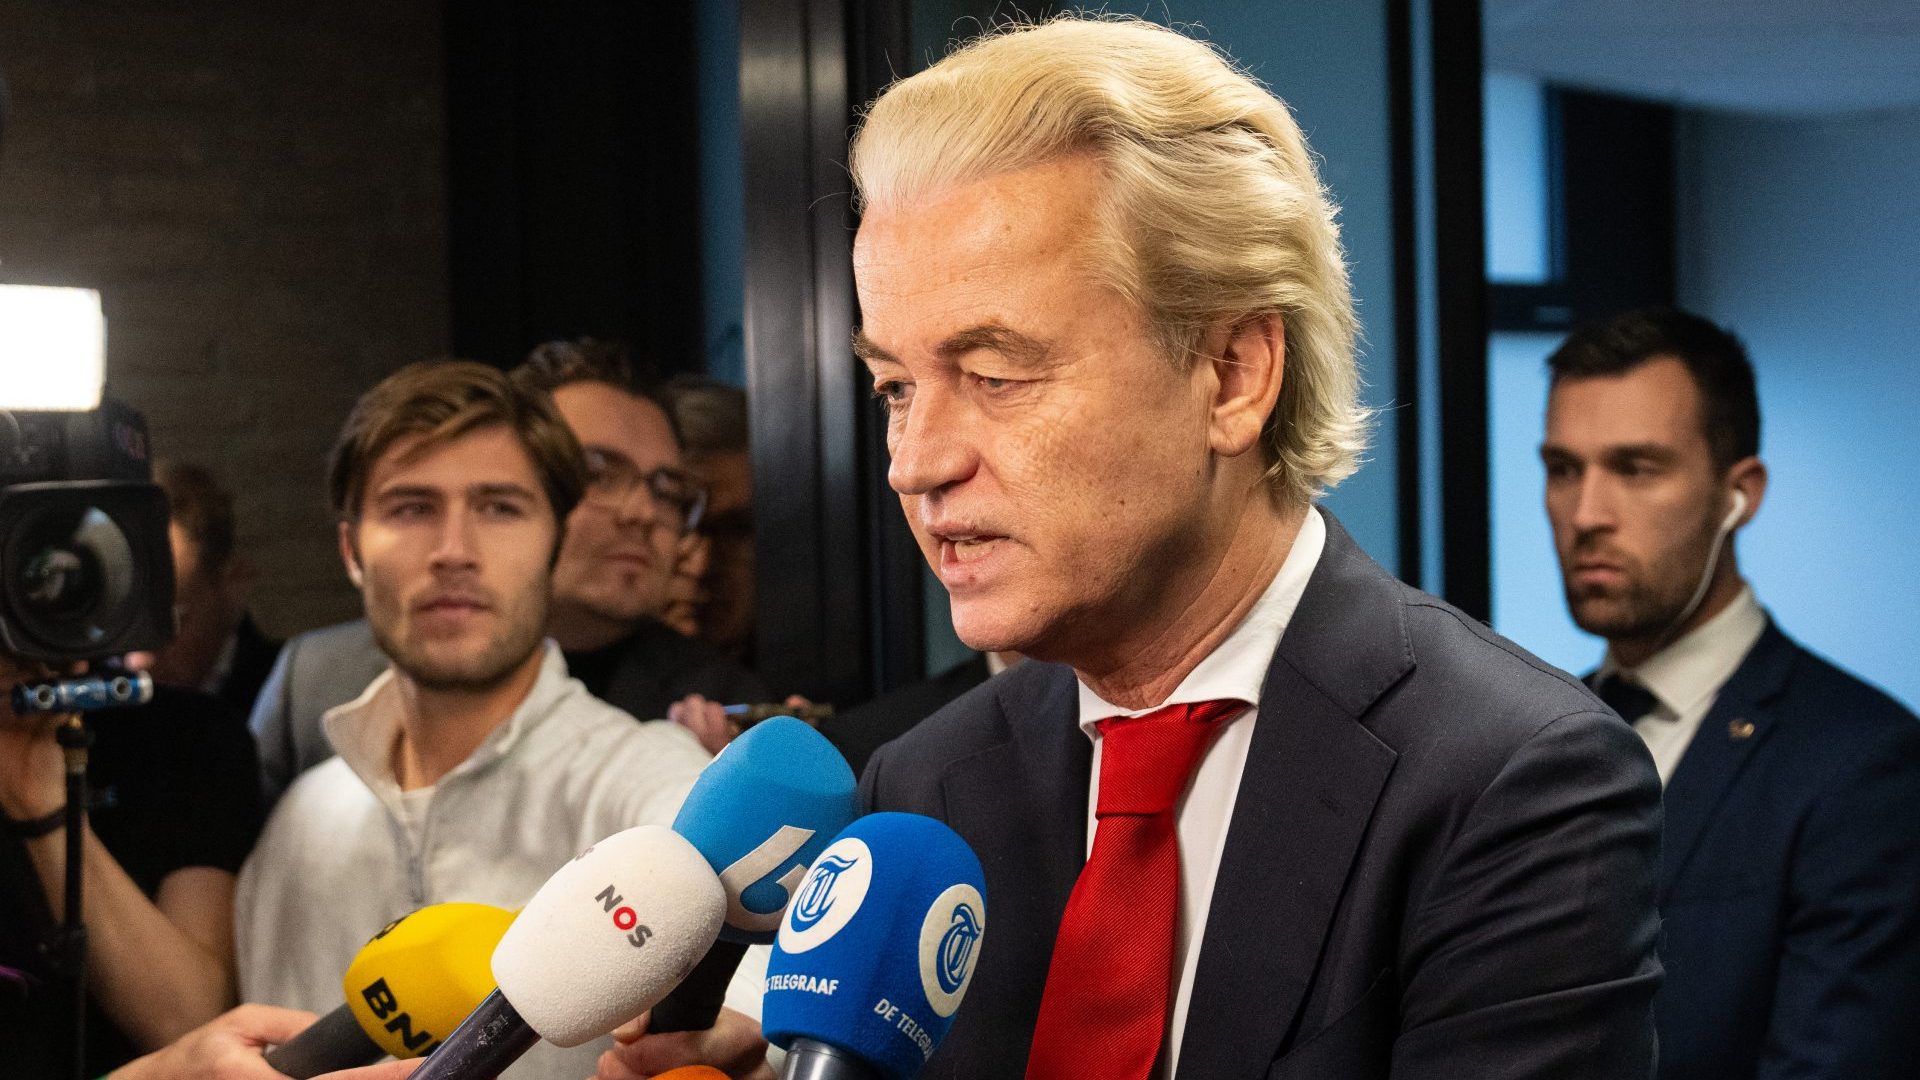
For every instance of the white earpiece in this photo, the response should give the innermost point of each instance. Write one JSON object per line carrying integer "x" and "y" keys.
{"x": 1733, "y": 515}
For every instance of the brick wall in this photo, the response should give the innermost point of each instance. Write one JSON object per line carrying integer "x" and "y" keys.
{"x": 257, "y": 190}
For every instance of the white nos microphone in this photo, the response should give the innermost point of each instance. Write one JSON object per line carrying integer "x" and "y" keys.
{"x": 605, "y": 938}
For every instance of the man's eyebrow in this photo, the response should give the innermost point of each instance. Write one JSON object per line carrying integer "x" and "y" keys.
{"x": 865, "y": 349}
{"x": 409, "y": 491}
{"x": 1012, "y": 344}
{"x": 494, "y": 491}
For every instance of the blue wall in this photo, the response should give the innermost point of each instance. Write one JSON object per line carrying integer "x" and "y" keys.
{"x": 1801, "y": 236}
{"x": 1328, "y": 62}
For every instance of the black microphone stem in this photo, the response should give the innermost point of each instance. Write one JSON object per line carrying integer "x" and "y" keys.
{"x": 498, "y": 1039}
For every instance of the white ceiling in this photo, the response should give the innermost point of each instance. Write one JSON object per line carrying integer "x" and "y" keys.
{"x": 1776, "y": 57}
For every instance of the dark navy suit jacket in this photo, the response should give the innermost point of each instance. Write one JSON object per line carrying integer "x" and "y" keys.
{"x": 1790, "y": 881}
{"x": 1441, "y": 861}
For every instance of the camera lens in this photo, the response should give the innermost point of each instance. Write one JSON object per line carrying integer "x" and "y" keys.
{"x": 60, "y": 582}
{"x": 75, "y": 578}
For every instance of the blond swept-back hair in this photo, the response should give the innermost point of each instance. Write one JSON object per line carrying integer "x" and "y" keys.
{"x": 1211, "y": 209}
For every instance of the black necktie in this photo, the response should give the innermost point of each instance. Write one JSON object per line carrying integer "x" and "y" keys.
{"x": 1626, "y": 697}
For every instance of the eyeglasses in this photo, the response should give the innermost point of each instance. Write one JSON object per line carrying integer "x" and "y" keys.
{"x": 611, "y": 479}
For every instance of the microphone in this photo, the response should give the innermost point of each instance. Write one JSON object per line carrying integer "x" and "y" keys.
{"x": 876, "y": 952}
{"x": 603, "y": 940}
{"x": 408, "y": 986}
{"x": 760, "y": 814}
{"x": 691, "y": 1072}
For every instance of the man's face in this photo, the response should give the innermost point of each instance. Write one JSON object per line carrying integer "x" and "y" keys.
{"x": 726, "y": 619}
{"x": 208, "y": 611}
{"x": 1051, "y": 461}
{"x": 451, "y": 553}
{"x": 1633, "y": 496}
{"x": 618, "y": 555}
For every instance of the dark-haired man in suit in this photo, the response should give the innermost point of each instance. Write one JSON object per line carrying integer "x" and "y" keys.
{"x": 1252, "y": 808}
{"x": 1790, "y": 876}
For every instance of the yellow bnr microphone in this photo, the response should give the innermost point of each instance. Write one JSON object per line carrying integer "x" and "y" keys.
{"x": 406, "y": 989}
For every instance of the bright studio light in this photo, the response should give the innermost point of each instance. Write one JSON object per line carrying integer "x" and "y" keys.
{"x": 53, "y": 347}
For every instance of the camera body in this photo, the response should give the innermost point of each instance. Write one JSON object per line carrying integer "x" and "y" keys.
{"x": 86, "y": 567}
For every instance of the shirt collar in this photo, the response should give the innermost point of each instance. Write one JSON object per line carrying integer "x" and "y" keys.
{"x": 363, "y": 730}
{"x": 1693, "y": 668}
{"x": 1239, "y": 665}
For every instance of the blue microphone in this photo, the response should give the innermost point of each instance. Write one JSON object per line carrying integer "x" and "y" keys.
{"x": 760, "y": 814}
{"x": 876, "y": 952}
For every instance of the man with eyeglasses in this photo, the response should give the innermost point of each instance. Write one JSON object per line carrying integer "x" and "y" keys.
{"x": 617, "y": 568}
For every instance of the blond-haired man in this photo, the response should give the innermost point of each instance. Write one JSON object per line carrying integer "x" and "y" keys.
{"x": 1259, "y": 809}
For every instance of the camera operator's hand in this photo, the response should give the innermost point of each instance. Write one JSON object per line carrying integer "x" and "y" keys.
{"x": 32, "y": 777}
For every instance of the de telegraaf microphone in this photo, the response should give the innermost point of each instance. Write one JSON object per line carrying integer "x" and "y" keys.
{"x": 876, "y": 951}
{"x": 603, "y": 940}
{"x": 410, "y": 985}
{"x": 760, "y": 814}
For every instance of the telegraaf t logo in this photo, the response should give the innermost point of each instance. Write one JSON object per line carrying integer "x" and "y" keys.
{"x": 956, "y": 948}
{"x": 950, "y": 945}
{"x": 817, "y": 900}
{"x": 831, "y": 896}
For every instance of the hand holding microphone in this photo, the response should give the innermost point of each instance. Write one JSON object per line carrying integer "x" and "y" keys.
{"x": 406, "y": 989}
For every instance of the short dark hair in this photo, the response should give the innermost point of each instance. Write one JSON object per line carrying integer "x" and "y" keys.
{"x": 1729, "y": 403}
{"x": 202, "y": 507}
{"x": 710, "y": 416}
{"x": 554, "y": 364}
{"x": 441, "y": 400}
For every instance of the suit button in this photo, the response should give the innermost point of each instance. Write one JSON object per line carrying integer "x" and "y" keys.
{"x": 1740, "y": 729}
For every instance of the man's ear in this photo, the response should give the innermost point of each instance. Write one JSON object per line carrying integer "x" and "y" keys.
{"x": 1748, "y": 476}
{"x": 1249, "y": 361}
{"x": 350, "y": 553}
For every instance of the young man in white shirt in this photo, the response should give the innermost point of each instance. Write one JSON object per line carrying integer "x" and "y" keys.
{"x": 475, "y": 766}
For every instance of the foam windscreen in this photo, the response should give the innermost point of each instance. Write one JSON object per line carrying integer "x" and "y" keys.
{"x": 761, "y": 813}
{"x": 878, "y": 948}
{"x": 609, "y": 934}
{"x": 418, "y": 978}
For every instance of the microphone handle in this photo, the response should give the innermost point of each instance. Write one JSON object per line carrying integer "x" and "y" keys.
{"x": 492, "y": 1037}
{"x": 334, "y": 1042}
{"x": 811, "y": 1059}
{"x": 695, "y": 1004}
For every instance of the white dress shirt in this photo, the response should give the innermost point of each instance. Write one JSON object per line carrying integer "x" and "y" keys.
{"x": 1235, "y": 669}
{"x": 1686, "y": 676}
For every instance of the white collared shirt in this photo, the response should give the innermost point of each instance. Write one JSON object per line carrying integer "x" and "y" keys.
{"x": 1236, "y": 669}
{"x": 1686, "y": 676}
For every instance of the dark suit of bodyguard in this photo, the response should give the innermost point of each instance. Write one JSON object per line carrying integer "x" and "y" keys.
{"x": 1790, "y": 868}
{"x": 1106, "y": 312}
{"x": 1790, "y": 886}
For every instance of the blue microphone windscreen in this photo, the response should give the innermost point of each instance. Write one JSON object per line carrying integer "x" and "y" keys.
{"x": 877, "y": 950}
{"x": 761, "y": 813}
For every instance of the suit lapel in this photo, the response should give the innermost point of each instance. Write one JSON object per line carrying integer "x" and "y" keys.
{"x": 1729, "y": 734}
{"x": 1312, "y": 777}
{"x": 1023, "y": 807}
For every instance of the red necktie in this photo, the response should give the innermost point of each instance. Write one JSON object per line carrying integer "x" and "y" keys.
{"x": 1110, "y": 985}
